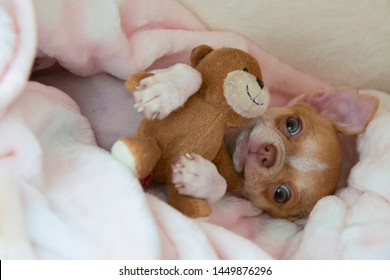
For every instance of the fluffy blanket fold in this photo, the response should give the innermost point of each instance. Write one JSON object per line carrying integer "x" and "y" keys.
{"x": 62, "y": 195}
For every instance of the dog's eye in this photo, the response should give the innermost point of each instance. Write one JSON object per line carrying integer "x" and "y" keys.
{"x": 293, "y": 125}
{"x": 245, "y": 70}
{"x": 282, "y": 194}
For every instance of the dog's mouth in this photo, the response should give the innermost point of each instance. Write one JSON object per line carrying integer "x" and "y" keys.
{"x": 253, "y": 98}
{"x": 259, "y": 149}
{"x": 242, "y": 150}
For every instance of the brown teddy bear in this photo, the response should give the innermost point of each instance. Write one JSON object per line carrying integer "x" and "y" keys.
{"x": 231, "y": 95}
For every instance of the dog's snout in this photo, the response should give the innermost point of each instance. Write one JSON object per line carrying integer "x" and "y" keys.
{"x": 267, "y": 155}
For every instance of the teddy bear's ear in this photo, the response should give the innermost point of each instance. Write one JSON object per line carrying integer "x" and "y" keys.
{"x": 199, "y": 53}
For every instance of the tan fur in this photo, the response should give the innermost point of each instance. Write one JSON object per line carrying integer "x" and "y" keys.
{"x": 317, "y": 142}
{"x": 200, "y": 125}
{"x": 311, "y": 162}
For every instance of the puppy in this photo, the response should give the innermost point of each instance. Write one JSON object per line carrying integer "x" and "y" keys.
{"x": 290, "y": 158}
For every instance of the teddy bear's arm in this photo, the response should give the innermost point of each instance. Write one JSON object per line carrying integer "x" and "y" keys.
{"x": 160, "y": 92}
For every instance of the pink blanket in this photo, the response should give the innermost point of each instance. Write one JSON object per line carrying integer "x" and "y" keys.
{"x": 63, "y": 196}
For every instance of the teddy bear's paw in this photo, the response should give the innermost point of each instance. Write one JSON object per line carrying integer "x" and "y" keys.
{"x": 198, "y": 177}
{"x": 165, "y": 91}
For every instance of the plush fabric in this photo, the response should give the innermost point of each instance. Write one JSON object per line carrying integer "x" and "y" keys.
{"x": 63, "y": 196}
{"x": 198, "y": 125}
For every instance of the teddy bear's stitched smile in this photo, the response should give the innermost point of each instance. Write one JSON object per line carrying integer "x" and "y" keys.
{"x": 250, "y": 96}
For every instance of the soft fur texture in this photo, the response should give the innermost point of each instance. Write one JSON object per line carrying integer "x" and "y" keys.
{"x": 63, "y": 196}
{"x": 303, "y": 165}
{"x": 291, "y": 157}
{"x": 229, "y": 94}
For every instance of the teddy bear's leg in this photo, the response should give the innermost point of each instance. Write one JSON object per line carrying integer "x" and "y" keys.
{"x": 139, "y": 154}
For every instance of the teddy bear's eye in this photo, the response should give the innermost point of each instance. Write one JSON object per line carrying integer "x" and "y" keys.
{"x": 245, "y": 70}
{"x": 260, "y": 83}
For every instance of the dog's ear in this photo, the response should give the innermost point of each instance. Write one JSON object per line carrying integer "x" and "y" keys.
{"x": 349, "y": 110}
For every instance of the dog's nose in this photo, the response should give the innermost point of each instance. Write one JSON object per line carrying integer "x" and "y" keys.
{"x": 267, "y": 155}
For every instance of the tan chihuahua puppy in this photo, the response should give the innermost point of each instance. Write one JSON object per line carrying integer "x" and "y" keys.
{"x": 292, "y": 157}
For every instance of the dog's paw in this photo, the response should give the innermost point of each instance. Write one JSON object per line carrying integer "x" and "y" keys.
{"x": 165, "y": 91}
{"x": 197, "y": 177}
{"x": 155, "y": 97}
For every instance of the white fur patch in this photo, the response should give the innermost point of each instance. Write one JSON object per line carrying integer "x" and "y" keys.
{"x": 122, "y": 153}
{"x": 306, "y": 164}
{"x": 238, "y": 164}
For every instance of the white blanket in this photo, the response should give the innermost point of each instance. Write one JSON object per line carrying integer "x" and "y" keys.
{"x": 63, "y": 196}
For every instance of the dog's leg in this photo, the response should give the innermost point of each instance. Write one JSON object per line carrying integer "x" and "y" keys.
{"x": 164, "y": 91}
{"x": 197, "y": 177}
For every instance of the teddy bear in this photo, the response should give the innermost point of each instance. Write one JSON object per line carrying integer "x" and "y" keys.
{"x": 231, "y": 93}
